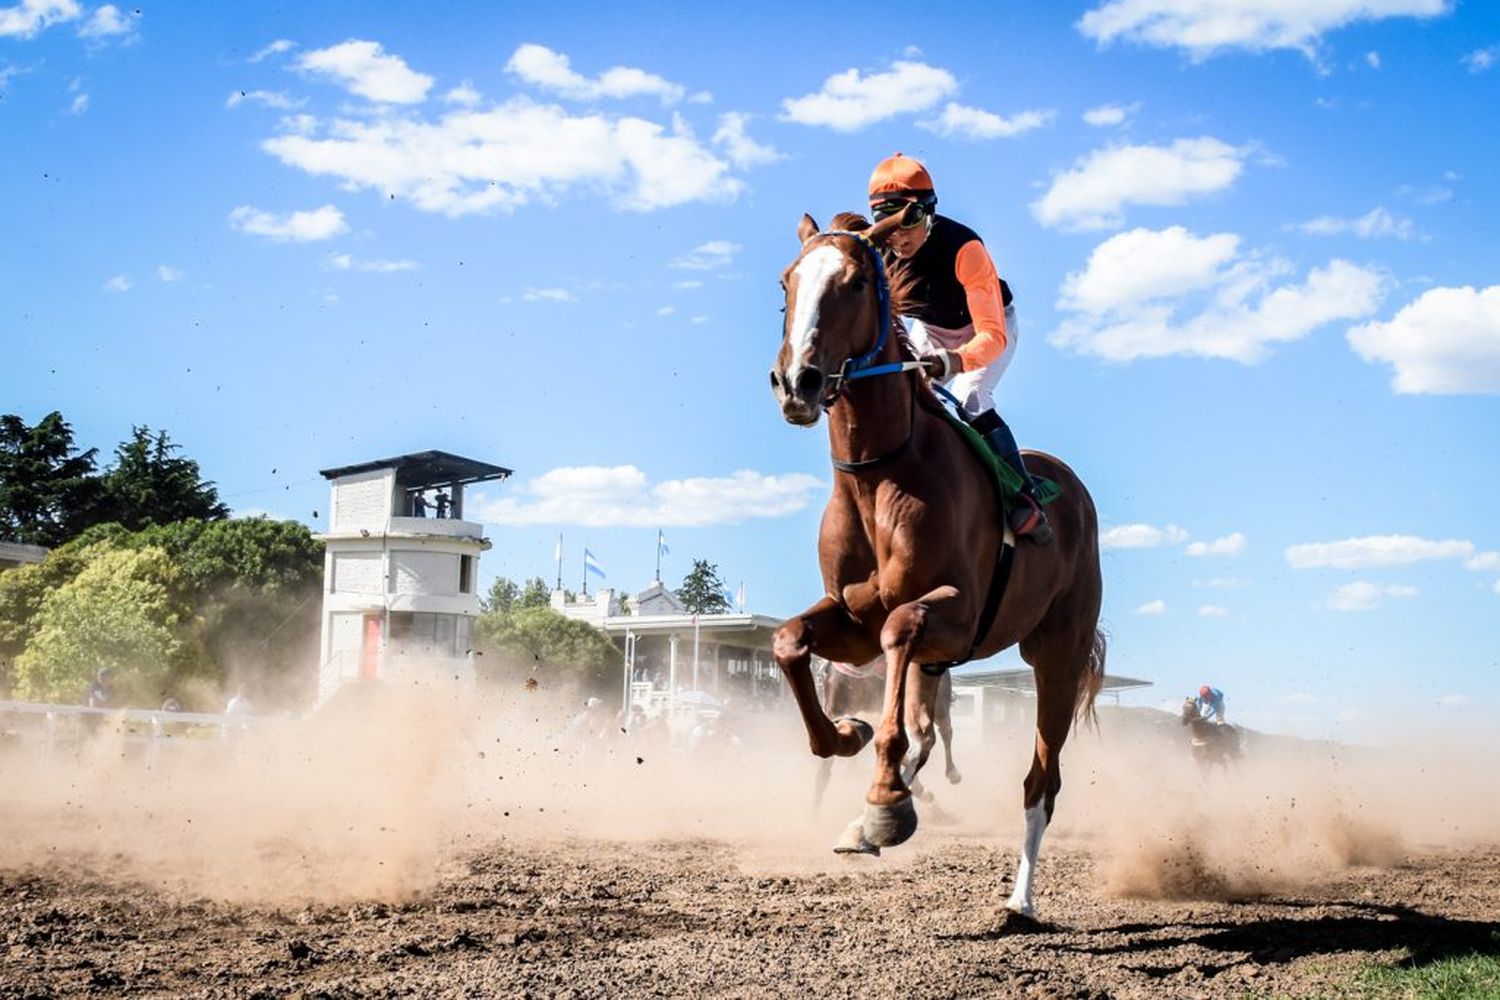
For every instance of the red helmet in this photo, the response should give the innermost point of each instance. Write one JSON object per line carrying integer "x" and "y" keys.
{"x": 1205, "y": 691}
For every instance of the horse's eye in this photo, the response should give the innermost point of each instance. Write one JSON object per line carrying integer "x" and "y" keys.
{"x": 858, "y": 284}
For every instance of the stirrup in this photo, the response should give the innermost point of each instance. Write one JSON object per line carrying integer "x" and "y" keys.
{"x": 1033, "y": 526}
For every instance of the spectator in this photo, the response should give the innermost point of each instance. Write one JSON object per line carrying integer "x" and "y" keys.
{"x": 443, "y": 503}
{"x": 100, "y": 692}
{"x": 419, "y": 505}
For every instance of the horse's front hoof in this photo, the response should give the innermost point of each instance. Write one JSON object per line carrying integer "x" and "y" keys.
{"x": 887, "y": 826}
{"x": 953, "y": 776}
{"x": 853, "y": 841}
{"x": 857, "y": 727}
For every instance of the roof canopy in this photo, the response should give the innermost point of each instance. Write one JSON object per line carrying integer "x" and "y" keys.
{"x": 424, "y": 469}
{"x": 1023, "y": 679}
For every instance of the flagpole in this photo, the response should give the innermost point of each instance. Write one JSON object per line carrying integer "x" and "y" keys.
{"x": 559, "y": 560}
{"x": 585, "y": 571}
{"x": 658, "y": 554}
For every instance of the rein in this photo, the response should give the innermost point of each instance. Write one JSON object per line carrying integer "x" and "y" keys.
{"x": 864, "y": 366}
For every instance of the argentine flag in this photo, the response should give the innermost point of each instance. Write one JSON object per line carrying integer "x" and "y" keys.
{"x": 661, "y": 545}
{"x": 592, "y": 565}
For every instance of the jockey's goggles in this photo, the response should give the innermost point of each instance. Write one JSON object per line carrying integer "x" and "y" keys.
{"x": 895, "y": 206}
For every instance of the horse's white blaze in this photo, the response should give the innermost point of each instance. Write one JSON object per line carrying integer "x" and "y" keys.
{"x": 813, "y": 272}
{"x": 1031, "y": 848}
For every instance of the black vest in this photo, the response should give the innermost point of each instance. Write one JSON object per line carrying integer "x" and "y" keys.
{"x": 930, "y": 276}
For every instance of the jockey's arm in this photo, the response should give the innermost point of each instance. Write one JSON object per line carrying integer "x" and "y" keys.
{"x": 976, "y": 272}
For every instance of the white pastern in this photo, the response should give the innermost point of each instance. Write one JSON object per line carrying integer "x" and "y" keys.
{"x": 1031, "y": 849}
{"x": 813, "y": 272}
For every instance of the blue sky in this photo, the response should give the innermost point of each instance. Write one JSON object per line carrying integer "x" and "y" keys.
{"x": 1254, "y": 258}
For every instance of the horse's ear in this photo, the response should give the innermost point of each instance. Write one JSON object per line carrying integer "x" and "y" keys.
{"x": 881, "y": 231}
{"x": 807, "y": 228}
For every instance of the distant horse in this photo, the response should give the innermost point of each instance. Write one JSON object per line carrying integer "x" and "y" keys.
{"x": 911, "y": 542}
{"x": 848, "y": 689}
{"x": 1215, "y": 744}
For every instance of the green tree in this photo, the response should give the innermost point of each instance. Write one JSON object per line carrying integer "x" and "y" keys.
{"x": 149, "y": 484}
{"x": 22, "y": 591}
{"x": 502, "y": 595}
{"x": 536, "y": 594}
{"x": 702, "y": 592}
{"x": 121, "y": 611}
{"x": 48, "y": 489}
{"x": 539, "y": 642}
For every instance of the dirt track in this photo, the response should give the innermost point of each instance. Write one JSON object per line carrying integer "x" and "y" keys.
{"x": 688, "y": 918}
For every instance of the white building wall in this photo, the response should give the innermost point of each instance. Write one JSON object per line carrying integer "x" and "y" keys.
{"x": 358, "y": 573}
{"x": 431, "y": 573}
{"x": 363, "y": 501}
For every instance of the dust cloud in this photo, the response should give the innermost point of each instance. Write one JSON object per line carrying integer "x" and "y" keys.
{"x": 376, "y": 799}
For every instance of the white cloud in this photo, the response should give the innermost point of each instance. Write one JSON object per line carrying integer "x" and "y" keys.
{"x": 346, "y": 262}
{"x": 119, "y": 283}
{"x": 276, "y": 48}
{"x": 1156, "y": 607}
{"x": 1145, "y": 264}
{"x": 1141, "y": 536}
{"x": 1372, "y": 225}
{"x": 687, "y": 284}
{"x": 1107, "y": 115}
{"x": 28, "y": 17}
{"x": 1213, "y": 611}
{"x": 364, "y": 68}
{"x": 80, "y": 104}
{"x": 1476, "y": 62}
{"x": 743, "y": 151}
{"x": 1364, "y": 596}
{"x": 708, "y": 256}
{"x": 548, "y": 295}
{"x": 1496, "y": 587}
{"x": 1149, "y": 293}
{"x": 267, "y": 98}
{"x": 1447, "y": 341}
{"x": 1094, "y": 192}
{"x": 666, "y": 310}
{"x": 1453, "y": 700}
{"x": 621, "y": 496}
{"x": 959, "y": 121}
{"x": 108, "y": 21}
{"x": 1203, "y": 29}
{"x": 468, "y": 162}
{"x": 1372, "y": 59}
{"x": 850, "y": 101}
{"x": 696, "y": 320}
{"x": 464, "y": 95}
{"x": 1375, "y": 550}
{"x": 1482, "y": 562}
{"x": 549, "y": 70}
{"x": 296, "y": 227}
{"x": 1229, "y": 545}
{"x": 168, "y": 273}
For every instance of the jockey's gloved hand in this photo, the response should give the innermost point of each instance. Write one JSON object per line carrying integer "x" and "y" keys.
{"x": 942, "y": 365}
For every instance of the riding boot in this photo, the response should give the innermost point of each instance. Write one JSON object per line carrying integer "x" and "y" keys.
{"x": 1027, "y": 520}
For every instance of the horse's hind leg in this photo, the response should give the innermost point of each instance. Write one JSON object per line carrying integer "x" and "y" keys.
{"x": 1061, "y": 673}
{"x": 945, "y": 728}
{"x": 921, "y": 693}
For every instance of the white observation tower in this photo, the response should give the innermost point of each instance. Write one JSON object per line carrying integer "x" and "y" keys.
{"x": 399, "y": 593}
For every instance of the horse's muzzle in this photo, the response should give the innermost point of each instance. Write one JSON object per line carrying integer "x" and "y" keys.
{"x": 800, "y": 394}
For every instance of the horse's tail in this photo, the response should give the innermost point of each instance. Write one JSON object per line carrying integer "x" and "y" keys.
{"x": 1092, "y": 680}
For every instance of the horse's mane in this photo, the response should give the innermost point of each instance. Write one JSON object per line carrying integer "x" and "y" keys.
{"x": 900, "y": 298}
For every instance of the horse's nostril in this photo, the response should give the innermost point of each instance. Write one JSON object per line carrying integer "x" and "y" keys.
{"x": 775, "y": 380}
{"x": 809, "y": 382}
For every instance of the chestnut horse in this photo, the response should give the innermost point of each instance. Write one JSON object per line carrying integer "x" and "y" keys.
{"x": 911, "y": 540}
{"x": 848, "y": 689}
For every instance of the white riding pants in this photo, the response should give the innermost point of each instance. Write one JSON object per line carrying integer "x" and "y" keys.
{"x": 974, "y": 389}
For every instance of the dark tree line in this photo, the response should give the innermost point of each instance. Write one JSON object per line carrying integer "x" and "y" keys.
{"x": 51, "y": 492}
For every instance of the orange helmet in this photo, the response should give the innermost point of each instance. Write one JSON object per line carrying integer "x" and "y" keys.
{"x": 1205, "y": 691}
{"x": 900, "y": 176}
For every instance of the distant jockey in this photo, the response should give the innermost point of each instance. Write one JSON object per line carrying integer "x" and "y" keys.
{"x": 961, "y": 320}
{"x": 1210, "y": 704}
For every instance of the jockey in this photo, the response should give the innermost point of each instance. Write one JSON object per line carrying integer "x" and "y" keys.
{"x": 960, "y": 321}
{"x": 1210, "y": 704}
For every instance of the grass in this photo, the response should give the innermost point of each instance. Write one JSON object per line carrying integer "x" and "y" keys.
{"x": 1467, "y": 977}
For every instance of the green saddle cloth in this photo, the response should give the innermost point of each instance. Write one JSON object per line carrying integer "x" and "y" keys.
{"x": 1006, "y": 479}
